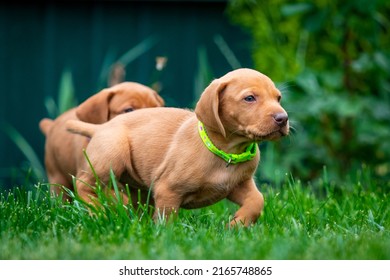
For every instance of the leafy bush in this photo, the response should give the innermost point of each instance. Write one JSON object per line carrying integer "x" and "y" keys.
{"x": 332, "y": 61}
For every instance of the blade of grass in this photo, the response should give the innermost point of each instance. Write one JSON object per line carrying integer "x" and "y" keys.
{"x": 126, "y": 58}
{"x": 66, "y": 94}
{"x": 51, "y": 107}
{"x": 115, "y": 186}
{"x": 26, "y": 149}
{"x": 138, "y": 50}
{"x": 204, "y": 74}
{"x": 227, "y": 52}
{"x": 108, "y": 61}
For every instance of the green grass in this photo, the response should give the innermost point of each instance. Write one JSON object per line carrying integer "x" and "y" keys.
{"x": 348, "y": 221}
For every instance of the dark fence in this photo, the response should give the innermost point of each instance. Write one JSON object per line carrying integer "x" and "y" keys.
{"x": 39, "y": 42}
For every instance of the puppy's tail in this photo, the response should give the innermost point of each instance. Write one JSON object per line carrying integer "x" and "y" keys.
{"x": 82, "y": 128}
{"x": 45, "y": 125}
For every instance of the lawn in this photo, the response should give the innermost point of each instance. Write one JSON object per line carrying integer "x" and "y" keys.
{"x": 300, "y": 221}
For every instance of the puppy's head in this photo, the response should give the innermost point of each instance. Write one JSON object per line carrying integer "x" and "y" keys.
{"x": 244, "y": 103}
{"x": 121, "y": 98}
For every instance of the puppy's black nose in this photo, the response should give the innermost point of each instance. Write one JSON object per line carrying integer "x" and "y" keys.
{"x": 281, "y": 119}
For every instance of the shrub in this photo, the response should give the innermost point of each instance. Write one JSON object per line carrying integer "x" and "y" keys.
{"x": 332, "y": 61}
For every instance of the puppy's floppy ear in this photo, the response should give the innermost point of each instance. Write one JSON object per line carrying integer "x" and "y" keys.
{"x": 160, "y": 101}
{"x": 207, "y": 108}
{"x": 95, "y": 109}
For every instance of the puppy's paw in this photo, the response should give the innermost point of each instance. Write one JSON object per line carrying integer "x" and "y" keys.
{"x": 239, "y": 222}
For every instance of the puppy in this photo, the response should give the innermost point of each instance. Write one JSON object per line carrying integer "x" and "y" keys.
{"x": 63, "y": 150}
{"x": 191, "y": 159}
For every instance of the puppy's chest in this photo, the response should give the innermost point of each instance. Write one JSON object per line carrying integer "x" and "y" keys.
{"x": 216, "y": 185}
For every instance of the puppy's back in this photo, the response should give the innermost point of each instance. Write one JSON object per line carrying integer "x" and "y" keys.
{"x": 164, "y": 120}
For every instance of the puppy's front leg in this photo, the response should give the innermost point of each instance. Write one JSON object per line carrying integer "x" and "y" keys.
{"x": 167, "y": 202}
{"x": 251, "y": 203}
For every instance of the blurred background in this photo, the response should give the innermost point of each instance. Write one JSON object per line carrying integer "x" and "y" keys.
{"x": 331, "y": 60}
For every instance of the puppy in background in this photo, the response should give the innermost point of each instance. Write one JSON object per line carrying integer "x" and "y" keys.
{"x": 63, "y": 150}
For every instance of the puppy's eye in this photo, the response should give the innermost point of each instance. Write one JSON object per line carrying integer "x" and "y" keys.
{"x": 127, "y": 110}
{"x": 250, "y": 98}
{"x": 279, "y": 98}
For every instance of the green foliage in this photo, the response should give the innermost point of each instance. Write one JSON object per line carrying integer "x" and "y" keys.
{"x": 336, "y": 129}
{"x": 66, "y": 98}
{"x": 204, "y": 74}
{"x": 349, "y": 221}
{"x": 125, "y": 59}
{"x": 274, "y": 49}
{"x": 227, "y": 52}
{"x": 332, "y": 59}
{"x": 36, "y": 167}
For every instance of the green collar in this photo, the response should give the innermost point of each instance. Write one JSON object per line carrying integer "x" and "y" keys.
{"x": 249, "y": 154}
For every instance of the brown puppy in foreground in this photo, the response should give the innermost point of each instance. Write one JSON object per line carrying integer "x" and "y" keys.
{"x": 166, "y": 149}
{"x": 63, "y": 150}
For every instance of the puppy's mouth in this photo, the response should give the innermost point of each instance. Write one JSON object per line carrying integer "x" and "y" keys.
{"x": 273, "y": 135}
